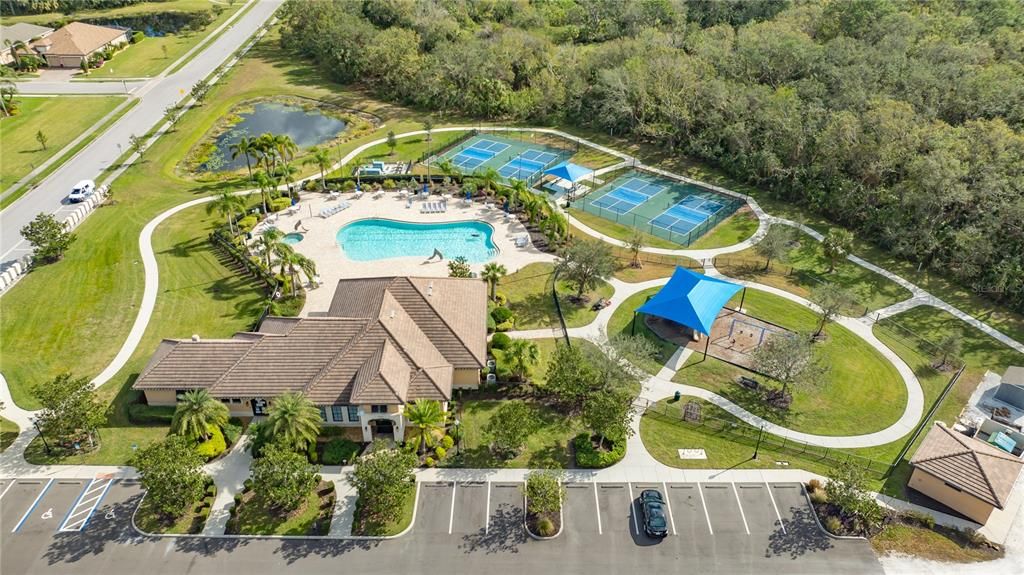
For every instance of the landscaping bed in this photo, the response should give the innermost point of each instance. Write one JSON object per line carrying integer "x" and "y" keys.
{"x": 547, "y": 448}
{"x": 374, "y": 529}
{"x": 544, "y": 524}
{"x": 191, "y": 522}
{"x": 251, "y": 515}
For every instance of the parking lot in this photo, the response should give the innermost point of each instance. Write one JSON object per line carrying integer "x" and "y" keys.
{"x": 83, "y": 526}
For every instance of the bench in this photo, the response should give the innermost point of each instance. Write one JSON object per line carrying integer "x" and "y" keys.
{"x": 749, "y": 383}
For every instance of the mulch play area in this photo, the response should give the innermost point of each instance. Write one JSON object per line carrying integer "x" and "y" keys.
{"x": 734, "y": 335}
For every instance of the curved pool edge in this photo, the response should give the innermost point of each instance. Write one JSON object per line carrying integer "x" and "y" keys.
{"x": 491, "y": 246}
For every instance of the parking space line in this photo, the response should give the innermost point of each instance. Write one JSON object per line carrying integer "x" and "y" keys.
{"x": 451, "y": 517}
{"x": 487, "y": 510}
{"x": 87, "y": 503}
{"x": 742, "y": 515}
{"x": 632, "y": 511}
{"x": 704, "y": 504}
{"x": 6, "y": 489}
{"x": 85, "y": 489}
{"x": 776, "y": 507}
{"x": 597, "y": 506}
{"x": 32, "y": 507}
{"x": 668, "y": 504}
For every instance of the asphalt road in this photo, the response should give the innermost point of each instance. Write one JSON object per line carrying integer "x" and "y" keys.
{"x": 154, "y": 97}
{"x": 465, "y": 528}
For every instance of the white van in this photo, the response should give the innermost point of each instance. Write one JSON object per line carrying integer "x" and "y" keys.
{"x": 81, "y": 191}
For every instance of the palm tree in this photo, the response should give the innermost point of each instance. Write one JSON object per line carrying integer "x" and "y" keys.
{"x": 446, "y": 167}
{"x": 427, "y": 416}
{"x": 492, "y": 273}
{"x": 635, "y": 244}
{"x": 291, "y": 262}
{"x": 321, "y": 158}
{"x": 227, "y": 204}
{"x": 244, "y": 146}
{"x": 520, "y": 191}
{"x": 271, "y": 242}
{"x": 14, "y": 47}
{"x": 196, "y": 412}
{"x": 267, "y": 153}
{"x": 555, "y": 225}
{"x": 294, "y": 420}
{"x": 8, "y": 90}
{"x": 520, "y": 355}
{"x": 266, "y": 184}
{"x": 284, "y": 146}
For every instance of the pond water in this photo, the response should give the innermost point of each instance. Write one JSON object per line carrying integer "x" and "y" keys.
{"x": 306, "y": 128}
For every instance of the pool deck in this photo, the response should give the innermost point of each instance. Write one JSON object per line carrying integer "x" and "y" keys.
{"x": 320, "y": 243}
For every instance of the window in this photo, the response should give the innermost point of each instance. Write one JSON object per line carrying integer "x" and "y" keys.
{"x": 353, "y": 413}
{"x": 224, "y": 400}
{"x": 236, "y": 400}
{"x": 378, "y": 409}
{"x": 179, "y": 394}
{"x": 336, "y": 413}
{"x": 323, "y": 413}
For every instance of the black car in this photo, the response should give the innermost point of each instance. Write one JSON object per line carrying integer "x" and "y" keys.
{"x": 652, "y": 505}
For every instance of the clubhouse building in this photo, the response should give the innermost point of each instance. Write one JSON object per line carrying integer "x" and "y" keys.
{"x": 383, "y": 343}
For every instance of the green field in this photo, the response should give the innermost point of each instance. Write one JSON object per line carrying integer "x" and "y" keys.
{"x": 61, "y": 119}
{"x": 529, "y": 296}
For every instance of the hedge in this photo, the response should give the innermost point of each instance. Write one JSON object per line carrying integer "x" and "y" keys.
{"x": 213, "y": 446}
{"x": 142, "y": 414}
{"x": 500, "y": 341}
{"x": 587, "y": 457}
{"x": 340, "y": 452}
{"x": 278, "y": 204}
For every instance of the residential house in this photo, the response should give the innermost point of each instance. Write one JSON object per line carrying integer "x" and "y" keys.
{"x": 19, "y": 32}
{"x": 382, "y": 344}
{"x": 68, "y": 46}
{"x": 966, "y": 474}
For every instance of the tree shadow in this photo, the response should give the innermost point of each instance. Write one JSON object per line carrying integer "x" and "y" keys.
{"x": 505, "y": 533}
{"x": 293, "y": 550}
{"x": 69, "y": 547}
{"x": 536, "y": 310}
{"x": 802, "y": 536}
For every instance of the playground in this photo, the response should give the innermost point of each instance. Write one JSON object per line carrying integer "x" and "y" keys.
{"x": 735, "y": 336}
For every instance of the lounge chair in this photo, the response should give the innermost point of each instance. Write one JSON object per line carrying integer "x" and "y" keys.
{"x": 408, "y": 203}
{"x": 378, "y": 194}
{"x": 333, "y": 195}
{"x": 522, "y": 241}
{"x": 358, "y": 194}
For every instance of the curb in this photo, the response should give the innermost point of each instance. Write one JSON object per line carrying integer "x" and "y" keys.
{"x": 561, "y": 523}
{"x": 814, "y": 513}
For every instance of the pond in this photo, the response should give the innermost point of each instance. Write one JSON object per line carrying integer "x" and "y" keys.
{"x": 307, "y": 128}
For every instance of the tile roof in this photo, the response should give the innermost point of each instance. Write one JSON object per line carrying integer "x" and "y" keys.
{"x": 972, "y": 465}
{"x": 79, "y": 39}
{"x": 22, "y": 32}
{"x": 377, "y": 352}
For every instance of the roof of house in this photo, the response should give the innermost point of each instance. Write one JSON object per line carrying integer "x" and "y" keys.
{"x": 1014, "y": 375}
{"x": 22, "y": 32}
{"x": 972, "y": 465}
{"x": 374, "y": 347}
{"x": 79, "y": 39}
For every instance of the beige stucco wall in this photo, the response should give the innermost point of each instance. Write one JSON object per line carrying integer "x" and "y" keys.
{"x": 466, "y": 379}
{"x": 937, "y": 489}
{"x": 160, "y": 397}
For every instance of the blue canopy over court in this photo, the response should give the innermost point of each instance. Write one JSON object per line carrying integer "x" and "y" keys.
{"x": 691, "y": 299}
{"x": 568, "y": 171}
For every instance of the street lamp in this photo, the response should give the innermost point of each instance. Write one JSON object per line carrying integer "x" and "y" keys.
{"x": 35, "y": 423}
{"x": 458, "y": 436}
{"x": 760, "y": 433}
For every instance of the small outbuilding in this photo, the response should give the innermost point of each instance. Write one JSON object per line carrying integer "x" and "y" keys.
{"x": 1011, "y": 387}
{"x": 966, "y": 474}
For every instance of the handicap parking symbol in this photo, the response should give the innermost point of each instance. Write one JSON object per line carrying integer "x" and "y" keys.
{"x": 48, "y": 514}
{"x": 110, "y": 515}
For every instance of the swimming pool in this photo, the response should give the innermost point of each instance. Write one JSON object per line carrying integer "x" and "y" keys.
{"x": 292, "y": 239}
{"x": 378, "y": 239}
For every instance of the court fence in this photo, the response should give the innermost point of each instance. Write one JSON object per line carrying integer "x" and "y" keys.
{"x": 758, "y": 438}
{"x": 561, "y": 153}
{"x": 644, "y": 224}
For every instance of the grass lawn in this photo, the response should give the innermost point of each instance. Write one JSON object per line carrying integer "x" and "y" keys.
{"x": 730, "y": 231}
{"x": 809, "y": 267}
{"x": 8, "y": 433}
{"x": 935, "y": 544}
{"x": 618, "y": 231}
{"x": 22, "y": 152}
{"x": 253, "y": 516}
{"x": 621, "y": 323}
{"x": 116, "y": 441}
{"x": 376, "y": 529}
{"x": 862, "y": 393}
{"x": 546, "y": 350}
{"x": 548, "y": 448}
{"x": 190, "y": 522}
{"x": 529, "y": 296}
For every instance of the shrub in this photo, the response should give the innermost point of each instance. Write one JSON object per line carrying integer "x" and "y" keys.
{"x": 311, "y": 452}
{"x": 213, "y": 446}
{"x": 590, "y": 458}
{"x": 814, "y": 485}
{"x": 348, "y": 185}
{"x": 920, "y": 518}
{"x": 247, "y": 485}
{"x": 211, "y": 490}
{"x": 818, "y": 496}
{"x": 501, "y": 314}
{"x": 430, "y": 462}
{"x": 340, "y": 452}
{"x": 143, "y": 414}
{"x": 232, "y": 432}
{"x": 311, "y": 185}
{"x": 500, "y": 299}
{"x": 390, "y": 184}
{"x": 974, "y": 538}
{"x": 447, "y": 442}
{"x": 833, "y": 525}
{"x": 500, "y": 341}
{"x": 491, "y": 325}
{"x": 545, "y": 527}
{"x": 505, "y": 326}
{"x": 440, "y": 452}
{"x": 247, "y": 223}
{"x": 278, "y": 204}
{"x": 137, "y": 37}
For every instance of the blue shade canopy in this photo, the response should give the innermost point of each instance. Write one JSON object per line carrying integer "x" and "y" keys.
{"x": 568, "y": 171}
{"x": 691, "y": 299}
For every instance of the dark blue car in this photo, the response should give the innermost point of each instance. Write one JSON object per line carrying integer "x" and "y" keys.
{"x": 652, "y": 506}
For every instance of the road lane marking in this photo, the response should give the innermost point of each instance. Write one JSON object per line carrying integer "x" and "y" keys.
{"x": 669, "y": 505}
{"x": 33, "y": 506}
{"x": 705, "y": 506}
{"x": 597, "y": 506}
{"x": 632, "y": 505}
{"x": 743, "y": 516}
{"x": 776, "y": 507}
{"x": 451, "y": 516}
{"x": 487, "y": 510}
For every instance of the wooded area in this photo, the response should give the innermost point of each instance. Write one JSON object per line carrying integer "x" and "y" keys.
{"x": 899, "y": 119}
